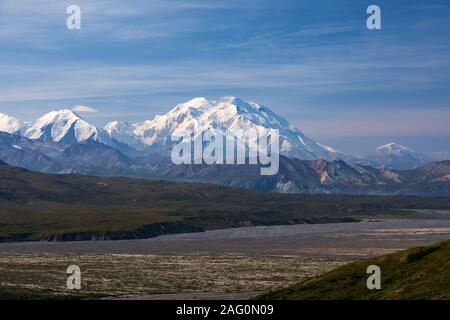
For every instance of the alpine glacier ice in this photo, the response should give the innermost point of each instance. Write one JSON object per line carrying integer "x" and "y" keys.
{"x": 225, "y": 113}
{"x": 60, "y": 126}
{"x": 9, "y": 124}
{"x": 123, "y": 132}
{"x": 64, "y": 126}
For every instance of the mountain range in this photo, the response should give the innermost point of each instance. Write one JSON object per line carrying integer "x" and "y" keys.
{"x": 70, "y": 207}
{"x": 63, "y": 142}
{"x": 227, "y": 113}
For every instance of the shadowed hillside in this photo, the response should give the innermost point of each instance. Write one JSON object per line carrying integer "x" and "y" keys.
{"x": 417, "y": 273}
{"x": 38, "y": 206}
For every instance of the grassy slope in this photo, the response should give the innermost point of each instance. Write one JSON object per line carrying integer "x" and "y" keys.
{"x": 417, "y": 273}
{"x": 37, "y": 206}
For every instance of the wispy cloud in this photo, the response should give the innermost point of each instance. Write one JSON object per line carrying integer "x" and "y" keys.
{"x": 42, "y": 24}
{"x": 84, "y": 109}
{"x": 298, "y": 57}
{"x": 282, "y": 38}
{"x": 312, "y": 77}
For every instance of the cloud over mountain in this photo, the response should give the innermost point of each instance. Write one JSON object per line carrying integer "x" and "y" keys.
{"x": 86, "y": 109}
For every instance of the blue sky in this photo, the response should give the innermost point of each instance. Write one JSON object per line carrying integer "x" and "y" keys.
{"x": 313, "y": 62}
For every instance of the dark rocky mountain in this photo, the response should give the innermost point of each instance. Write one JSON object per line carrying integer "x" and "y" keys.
{"x": 34, "y": 155}
{"x": 294, "y": 176}
{"x": 70, "y": 207}
{"x": 318, "y": 176}
{"x": 86, "y": 157}
{"x": 94, "y": 158}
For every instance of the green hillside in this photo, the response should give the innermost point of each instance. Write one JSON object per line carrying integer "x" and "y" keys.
{"x": 38, "y": 206}
{"x": 417, "y": 273}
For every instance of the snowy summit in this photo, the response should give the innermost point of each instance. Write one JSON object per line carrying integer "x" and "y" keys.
{"x": 9, "y": 124}
{"x": 225, "y": 113}
{"x": 62, "y": 126}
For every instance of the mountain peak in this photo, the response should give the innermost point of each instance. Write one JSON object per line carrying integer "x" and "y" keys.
{"x": 61, "y": 113}
{"x": 231, "y": 99}
{"x": 123, "y": 132}
{"x": 205, "y": 104}
{"x": 9, "y": 124}
{"x": 196, "y": 103}
{"x": 117, "y": 125}
{"x": 226, "y": 113}
{"x": 396, "y": 156}
{"x": 62, "y": 125}
{"x": 393, "y": 146}
{"x": 238, "y": 104}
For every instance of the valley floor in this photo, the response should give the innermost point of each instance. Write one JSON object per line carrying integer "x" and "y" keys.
{"x": 222, "y": 264}
{"x": 115, "y": 276}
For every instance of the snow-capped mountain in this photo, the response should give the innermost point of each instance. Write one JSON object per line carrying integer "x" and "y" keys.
{"x": 228, "y": 113}
{"x": 396, "y": 156}
{"x": 63, "y": 142}
{"x": 66, "y": 127}
{"x": 9, "y": 124}
{"x": 123, "y": 132}
{"x": 62, "y": 126}
{"x": 154, "y": 136}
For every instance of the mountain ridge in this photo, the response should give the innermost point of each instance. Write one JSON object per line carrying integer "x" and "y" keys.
{"x": 226, "y": 113}
{"x": 70, "y": 207}
{"x": 294, "y": 176}
{"x": 63, "y": 142}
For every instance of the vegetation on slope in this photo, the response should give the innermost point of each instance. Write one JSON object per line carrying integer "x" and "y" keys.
{"x": 38, "y": 206}
{"x": 417, "y": 273}
{"x": 43, "y": 276}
